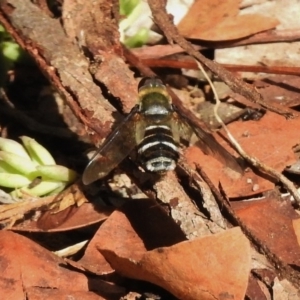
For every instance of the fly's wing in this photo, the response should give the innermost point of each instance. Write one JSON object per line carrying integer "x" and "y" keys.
{"x": 206, "y": 142}
{"x": 115, "y": 148}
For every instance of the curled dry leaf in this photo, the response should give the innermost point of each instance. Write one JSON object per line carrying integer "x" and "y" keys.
{"x": 204, "y": 268}
{"x": 189, "y": 270}
{"x": 217, "y": 20}
{"x": 68, "y": 210}
{"x": 138, "y": 226}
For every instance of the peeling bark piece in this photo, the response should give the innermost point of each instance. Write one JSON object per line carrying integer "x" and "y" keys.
{"x": 212, "y": 267}
{"x": 183, "y": 211}
{"x": 271, "y": 222}
{"x": 267, "y": 276}
{"x": 114, "y": 73}
{"x": 217, "y": 20}
{"x": 96, "y": 24}
{"x": 280, "y": 89}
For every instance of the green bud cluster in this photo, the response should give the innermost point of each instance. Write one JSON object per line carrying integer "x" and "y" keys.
{"x": 20, "y": 166}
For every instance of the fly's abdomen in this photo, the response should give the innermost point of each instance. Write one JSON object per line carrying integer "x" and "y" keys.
{"x": 158, "y": 152}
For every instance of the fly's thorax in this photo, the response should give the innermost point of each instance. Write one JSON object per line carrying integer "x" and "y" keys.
{"x": 155, "y": 103}
{"x": 154, "y": 98}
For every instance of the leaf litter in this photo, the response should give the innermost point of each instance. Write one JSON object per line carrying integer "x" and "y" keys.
{"x": 142, "y": 252}
{"x": 275, "y": 152}
{"x": 140, "y": 240}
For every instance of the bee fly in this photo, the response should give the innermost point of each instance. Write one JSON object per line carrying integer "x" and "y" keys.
{"x": 155, "y": 128}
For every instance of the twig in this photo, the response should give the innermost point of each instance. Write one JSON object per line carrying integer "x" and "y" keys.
{"x": 191, "y": 64}
{"x": 271, "y": 36}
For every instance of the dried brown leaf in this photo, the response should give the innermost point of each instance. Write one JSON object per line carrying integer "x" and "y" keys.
{"x": 26, "y": 265}
{"x": 137, "y": 227}
{"x": 27, "y": 270}
{"x": 71, "y": 218}
{"x": 270, "y": 139}
{"x": 278, "y": 89}
{"x": 296, "y": 226}
{"x": 232, "y": 183}
{"x": 270, "y": 221}
{"x": 204, "y": 268}
{"x": 217, "y": 20}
